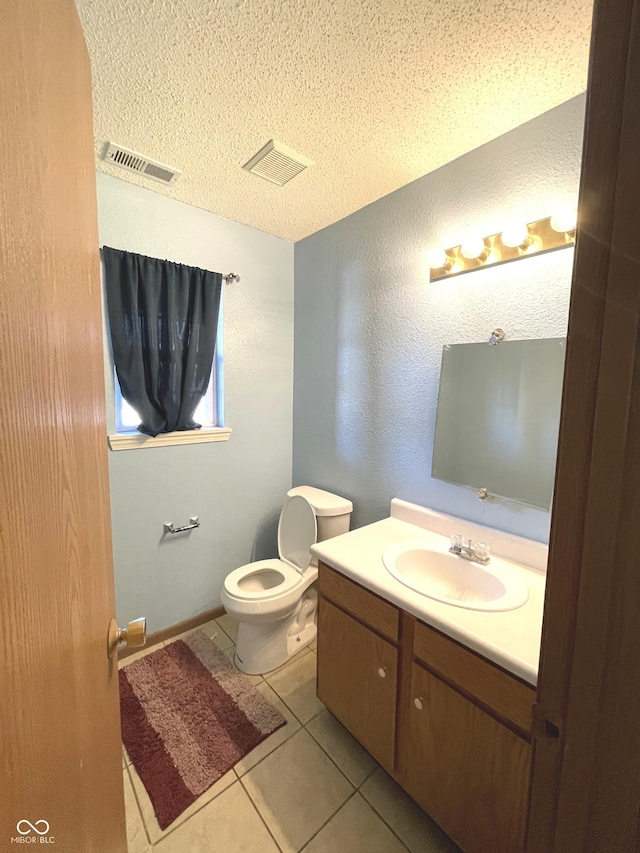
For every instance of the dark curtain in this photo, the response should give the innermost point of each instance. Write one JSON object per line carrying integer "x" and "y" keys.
{"x": 163, "y": 318}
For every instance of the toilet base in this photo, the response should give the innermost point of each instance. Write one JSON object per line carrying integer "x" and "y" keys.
{"x": 262, "y": 647}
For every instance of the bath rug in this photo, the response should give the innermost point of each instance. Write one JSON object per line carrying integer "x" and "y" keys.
{"x": 188, "y": 715}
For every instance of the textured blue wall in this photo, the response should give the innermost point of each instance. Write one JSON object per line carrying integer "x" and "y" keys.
{"x": 237, "y": 487}
{"x": 369, "y": 328}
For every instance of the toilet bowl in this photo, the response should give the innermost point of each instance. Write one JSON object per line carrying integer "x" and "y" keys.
{"x": 274, "y": 601}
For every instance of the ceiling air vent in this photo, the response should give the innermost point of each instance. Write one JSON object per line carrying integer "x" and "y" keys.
{"x": 134, "y": 162}
{"x": 277, "y": 163}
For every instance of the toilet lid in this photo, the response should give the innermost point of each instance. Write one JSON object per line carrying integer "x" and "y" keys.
{"x": 297, "y": 532}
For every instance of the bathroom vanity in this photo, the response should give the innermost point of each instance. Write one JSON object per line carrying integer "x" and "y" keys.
{"x": 441, "y": 696}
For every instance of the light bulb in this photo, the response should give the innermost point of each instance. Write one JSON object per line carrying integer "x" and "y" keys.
{"x": 564, "y": 220}
{"x": 474, "y": 247}
{"x": 515, "y": 235}
{"x": 437, "y": 259}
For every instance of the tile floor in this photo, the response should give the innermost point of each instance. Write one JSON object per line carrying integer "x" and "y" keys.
{"x": 309, "y": 787}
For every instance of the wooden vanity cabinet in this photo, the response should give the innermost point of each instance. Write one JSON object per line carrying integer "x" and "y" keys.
{"x": 451, "y": 728}
{"x": 359, "y": 676}
{"x": 467, "y": 770}
{"x": 358, "y": 680}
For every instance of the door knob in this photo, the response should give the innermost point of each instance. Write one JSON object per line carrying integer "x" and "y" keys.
{"x": 134, "y": 635}
{"x": 382, "y": 671}
{"x": 419, "y": 703}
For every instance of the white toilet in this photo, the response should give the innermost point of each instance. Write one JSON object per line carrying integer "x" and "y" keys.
{"x": 272, "y": 600}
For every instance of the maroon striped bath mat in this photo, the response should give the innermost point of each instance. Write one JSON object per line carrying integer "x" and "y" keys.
{"x": 188, "y": 715}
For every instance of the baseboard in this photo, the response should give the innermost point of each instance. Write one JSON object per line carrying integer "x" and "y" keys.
{"x": 173, "y": 630}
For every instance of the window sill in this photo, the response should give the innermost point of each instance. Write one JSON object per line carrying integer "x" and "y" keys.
{"x": 136, "y": 440}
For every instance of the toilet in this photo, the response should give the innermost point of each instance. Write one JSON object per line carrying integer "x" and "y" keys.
{"x": 274, "y": 601}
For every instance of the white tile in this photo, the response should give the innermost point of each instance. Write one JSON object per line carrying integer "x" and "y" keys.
{"x": 296, "y": 790}
{"x": 230, "y": 824}
{"x": 289, "y": 662}
{"x": 296, "y": 686}
{"x": 212, "y": 630}
{"x": 137, "y": 841}
{"x": 222, "y": 640}
{"x": 229, "y": 626}
{"x": 146, "y": 808}
{"x": 413, "y": 826}
{"x": 354, "y": 761}
{"x": 356, "y": 828}
{"x": 274, "y": 740}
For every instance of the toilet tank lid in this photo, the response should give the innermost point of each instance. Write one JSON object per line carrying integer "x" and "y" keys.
{"x": 323, "y": 503}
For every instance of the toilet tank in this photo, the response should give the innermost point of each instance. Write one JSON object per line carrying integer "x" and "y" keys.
{"x": 333, "y": 513}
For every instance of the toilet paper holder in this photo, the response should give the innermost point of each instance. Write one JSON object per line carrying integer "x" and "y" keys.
{"x": 193, "y": 523}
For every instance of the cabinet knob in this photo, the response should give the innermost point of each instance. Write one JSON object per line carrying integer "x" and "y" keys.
{"x": 382, "y": 671}
{"x": 419, "y": 703}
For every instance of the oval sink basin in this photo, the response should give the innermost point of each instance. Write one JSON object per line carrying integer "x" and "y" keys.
{"x": 453, "y": 580}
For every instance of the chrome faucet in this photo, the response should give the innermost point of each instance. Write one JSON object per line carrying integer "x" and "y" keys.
{"x": 478, "y": 553}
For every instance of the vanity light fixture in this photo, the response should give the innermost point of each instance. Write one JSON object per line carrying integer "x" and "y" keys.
{"x": 517, "y": 240}
{"x": 439, "y": 260}
{"x": 564, "y": 221}
{"x": 517, "y": 236}
{"x": 475, "y": 248}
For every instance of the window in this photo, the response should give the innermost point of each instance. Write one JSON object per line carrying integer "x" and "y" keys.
{"x": 210, "y": 412}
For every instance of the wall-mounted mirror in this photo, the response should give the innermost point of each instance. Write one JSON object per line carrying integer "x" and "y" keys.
{"x": 498, "y": 416}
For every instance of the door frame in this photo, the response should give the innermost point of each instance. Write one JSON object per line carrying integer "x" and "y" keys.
{"x": 585, "y": 790}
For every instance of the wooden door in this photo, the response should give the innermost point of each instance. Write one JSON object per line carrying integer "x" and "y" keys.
{"x": 59, "y": 721}
{"x": 586, "y": 778}
{"x": 357, "y": 680}
{"x": 468, "y": 771}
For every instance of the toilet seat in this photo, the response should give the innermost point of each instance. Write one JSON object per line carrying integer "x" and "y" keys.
{"x": 238, "y": 582}
{"x": 259, "y": 581}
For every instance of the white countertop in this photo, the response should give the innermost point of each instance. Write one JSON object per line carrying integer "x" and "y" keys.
{"x": 510, "y": 638}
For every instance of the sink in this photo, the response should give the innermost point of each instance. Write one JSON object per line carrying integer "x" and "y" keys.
{"x": 453, "y": 580}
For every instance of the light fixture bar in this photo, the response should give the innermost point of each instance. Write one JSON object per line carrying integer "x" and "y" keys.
{"x": 537, "y": 237}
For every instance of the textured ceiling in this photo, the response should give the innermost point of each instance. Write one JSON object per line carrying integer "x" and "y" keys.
{"x": 376, "y": 92}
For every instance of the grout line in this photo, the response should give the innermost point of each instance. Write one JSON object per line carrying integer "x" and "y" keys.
{"x": 299, "y": 729}
{"x": 170, "y": 830}
{"x": 284, "y": 702}
{"x": 220, "y": 628}
{"x": 275, "y": 749}
{"x": 381, "y": 816}
{"x": 257, "y": 810}
{"x": 370, "y": 774}
{"x": 353, "y": 785}
{"x": 306, "y": 844}
{"x": 333, "y": 814}
{"x": 358, "y": 787}
{"x": 135, "y": 797}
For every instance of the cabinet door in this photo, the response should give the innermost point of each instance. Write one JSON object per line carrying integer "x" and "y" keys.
{"x": 469, "y": 772}
{"x": 357, "y": 677}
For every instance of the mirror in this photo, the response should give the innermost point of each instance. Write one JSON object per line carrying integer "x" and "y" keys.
{"x": 498, "y": 417}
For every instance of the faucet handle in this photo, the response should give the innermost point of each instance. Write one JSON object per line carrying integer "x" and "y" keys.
{"x": 456, "y": 541}
{"x": 482, "y": 550}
